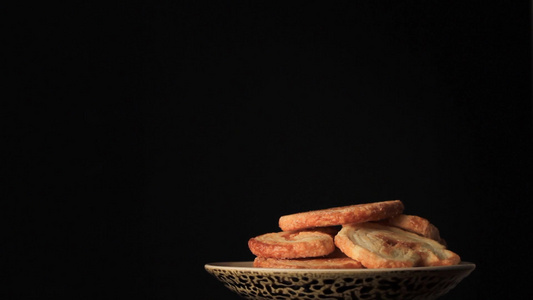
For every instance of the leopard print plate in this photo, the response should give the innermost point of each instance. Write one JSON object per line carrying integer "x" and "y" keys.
{"x": 407, "y": 283}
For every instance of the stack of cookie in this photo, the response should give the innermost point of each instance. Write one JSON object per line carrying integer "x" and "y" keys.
{"x": 373, "y": 235}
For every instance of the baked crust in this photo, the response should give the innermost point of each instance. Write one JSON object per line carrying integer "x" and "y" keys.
{"x": 381, "y": 246}
{"x": 293, "y": 244}
{"x": 416, "y": 225}
{"x": 308, "y": 263}
{"x": 341, "y": 215}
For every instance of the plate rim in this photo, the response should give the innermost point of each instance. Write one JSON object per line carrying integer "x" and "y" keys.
{"x": 234, "y": 266}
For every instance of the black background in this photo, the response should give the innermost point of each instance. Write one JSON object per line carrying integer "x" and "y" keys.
{"x": 148, "y": 139}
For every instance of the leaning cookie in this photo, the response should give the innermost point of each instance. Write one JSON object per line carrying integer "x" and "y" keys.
{"x": 381, "y": 246}
{"x": 308, "y": 263}
{"x": 341, "y": 215}
{"x": 416, "y": 225}
{"x": 292, "y": 244}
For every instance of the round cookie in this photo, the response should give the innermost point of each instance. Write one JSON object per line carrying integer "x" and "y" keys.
{"x": 292, "y": 244}
{"x": 341, "y": 215}
{"x": 308, "y": 263}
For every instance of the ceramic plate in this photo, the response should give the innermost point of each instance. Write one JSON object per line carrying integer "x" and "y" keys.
{"x": 402, "y": 283}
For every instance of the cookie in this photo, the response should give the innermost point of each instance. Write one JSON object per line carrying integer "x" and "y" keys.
{"x": 341, "y": 215}
{"x": 416, "y": 225}
{"x": 308, "y": 263}
{"x": 293, "y": 244}
{"x": 380, "y": 246}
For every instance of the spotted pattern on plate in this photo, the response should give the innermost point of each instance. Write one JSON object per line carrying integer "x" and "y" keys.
{"x": 394, "y": 285}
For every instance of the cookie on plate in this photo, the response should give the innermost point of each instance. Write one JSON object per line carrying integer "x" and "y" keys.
{"x": 293, "y": 244}
{"x": 308, "y": 263}
{"x": 381, "y": 246}
{"x": 358, "y": 213}
{"x": 416, "y": 225}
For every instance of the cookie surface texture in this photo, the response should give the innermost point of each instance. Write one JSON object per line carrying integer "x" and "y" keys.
{"x": 292, "y": 244}
{"x": 341, "y": 215}
{"x": 307, "y": 263}
{"x": 380, "y": 246}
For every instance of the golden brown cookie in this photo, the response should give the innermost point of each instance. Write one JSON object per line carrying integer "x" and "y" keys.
{"x": 292, "y": 244}
{"x": 341, "y": 215}
{"x": 416, "y": 225}
{"x": 380, "y": 246}
{"x": 308, "y": 263}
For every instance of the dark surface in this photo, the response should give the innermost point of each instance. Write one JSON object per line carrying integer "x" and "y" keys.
{"x": 150, "y": 139}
